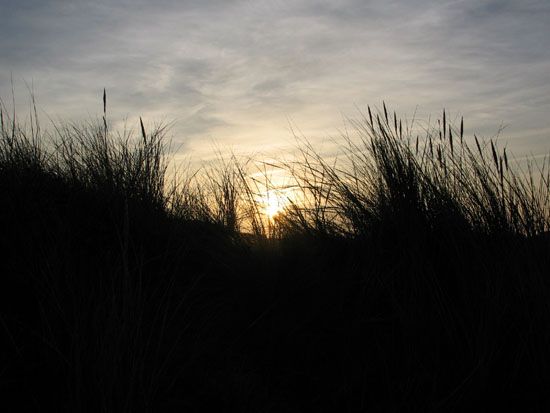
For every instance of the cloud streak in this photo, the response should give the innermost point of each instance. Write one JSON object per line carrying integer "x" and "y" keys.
{"x": 235, "y": 71}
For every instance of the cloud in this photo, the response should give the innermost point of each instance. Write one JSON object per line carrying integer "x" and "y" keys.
{"x": 237, "y": 70}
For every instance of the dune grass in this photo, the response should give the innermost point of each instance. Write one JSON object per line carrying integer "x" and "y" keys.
{"x": 411, "y": 273}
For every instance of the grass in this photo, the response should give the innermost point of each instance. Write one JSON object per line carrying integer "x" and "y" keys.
{"x": 411, "y": 273}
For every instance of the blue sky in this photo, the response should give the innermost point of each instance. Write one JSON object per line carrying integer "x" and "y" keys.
{"x": 237, "y": 72}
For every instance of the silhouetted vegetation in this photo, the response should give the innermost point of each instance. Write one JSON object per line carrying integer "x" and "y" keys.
{"x": 409, "y": 274}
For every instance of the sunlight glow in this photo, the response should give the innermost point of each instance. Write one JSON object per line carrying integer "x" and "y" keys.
{"x": 273, "y": 203}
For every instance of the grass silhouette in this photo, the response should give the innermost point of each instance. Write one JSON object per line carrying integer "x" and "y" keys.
{"x": 411, "y": 275}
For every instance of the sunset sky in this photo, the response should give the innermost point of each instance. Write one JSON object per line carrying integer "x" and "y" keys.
{"x": 238, "y": 73}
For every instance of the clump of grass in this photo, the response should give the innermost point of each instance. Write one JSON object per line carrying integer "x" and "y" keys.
{"x": 433, "y": 227}
{"x": 387, "y": 172}
{"x": 102, "y": 261}
{"x": 92, "y": 156}
{"x": 21, "y": 145}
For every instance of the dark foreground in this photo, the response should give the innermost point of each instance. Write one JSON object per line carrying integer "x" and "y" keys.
{"x": 109, "y": 302}
{"x": 109, "y": 307}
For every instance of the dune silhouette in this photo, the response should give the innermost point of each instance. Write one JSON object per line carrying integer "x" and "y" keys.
{"x": 410, "y": 276}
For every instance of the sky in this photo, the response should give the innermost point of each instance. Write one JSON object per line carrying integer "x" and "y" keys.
{"x": 238, "y": 74}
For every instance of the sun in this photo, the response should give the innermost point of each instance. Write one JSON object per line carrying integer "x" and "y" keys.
{"x": 273, "y": 203}
{"x": 272, "y": 209}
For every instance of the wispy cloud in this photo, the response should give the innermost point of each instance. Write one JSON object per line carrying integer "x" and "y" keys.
{"x": 236, "y": 71}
